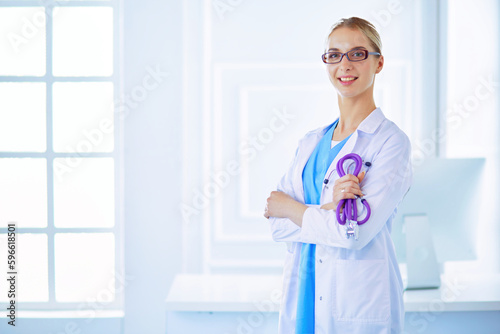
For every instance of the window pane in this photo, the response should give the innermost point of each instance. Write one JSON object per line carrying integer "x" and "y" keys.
{"x": 31, "y": 267}
{"x": 83, "y": 41}
{"x": 84, "y": 192}
{"x": 22, "y": 117}
{"x": 23, "y": 192}
{"x": 471, "y": 115}
{"x": 22, "y": 46}
{"x": 84, "y": 267}
{"x": 83, "y": 116}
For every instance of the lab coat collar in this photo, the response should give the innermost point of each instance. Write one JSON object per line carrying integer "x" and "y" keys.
{"x": 369, "y": 125}
{"x": 372, "y": 121}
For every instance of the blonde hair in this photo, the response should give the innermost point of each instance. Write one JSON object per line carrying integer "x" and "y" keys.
{"x": 362, "y": 25}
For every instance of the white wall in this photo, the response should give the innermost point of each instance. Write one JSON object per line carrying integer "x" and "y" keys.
{"x": 249, "y": 66}
{"x": 152, "y": 32}
{"x": 160, "y": 176}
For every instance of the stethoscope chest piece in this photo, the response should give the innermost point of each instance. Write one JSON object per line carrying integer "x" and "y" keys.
{"x": 352, "y": 229}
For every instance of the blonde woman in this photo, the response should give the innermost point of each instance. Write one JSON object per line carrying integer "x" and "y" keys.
{"x": 344, "y": 278}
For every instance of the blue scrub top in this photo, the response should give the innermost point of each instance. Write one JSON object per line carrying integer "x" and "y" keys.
{"x": 312, "y": 179}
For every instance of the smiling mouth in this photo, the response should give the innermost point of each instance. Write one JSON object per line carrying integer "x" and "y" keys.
{"x": 347, "y": 79}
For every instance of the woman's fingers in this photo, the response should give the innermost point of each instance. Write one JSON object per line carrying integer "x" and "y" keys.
{"x": 346, "y": 187}
{"x": 350, "y": 183}
{"x": 361, "y": 176}
{"x": 277, "y": 204}
{"x": 350, "y": 177}
{"x": 345, "y": 195}
{"x": 345, "y": 178}
{"x": 349, "y": 187}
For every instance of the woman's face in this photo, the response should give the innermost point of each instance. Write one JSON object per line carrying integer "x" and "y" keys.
{"x": 352, "y": 79}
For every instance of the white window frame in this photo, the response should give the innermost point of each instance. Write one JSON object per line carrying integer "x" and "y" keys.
{"x": 116, "y": 78}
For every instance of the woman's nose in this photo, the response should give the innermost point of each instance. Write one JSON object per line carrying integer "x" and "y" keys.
{"x": 345, "y": 62}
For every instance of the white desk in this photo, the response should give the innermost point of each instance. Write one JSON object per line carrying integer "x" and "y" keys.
{"x": 457, "y": 293}
{"x": 243, "y": 293}
{"x": 223, "y": 293}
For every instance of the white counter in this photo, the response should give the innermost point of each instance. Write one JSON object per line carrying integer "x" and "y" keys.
{"x": 244, "y": 293}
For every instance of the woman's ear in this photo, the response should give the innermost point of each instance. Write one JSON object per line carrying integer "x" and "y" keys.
{"x": 380, "y": 64}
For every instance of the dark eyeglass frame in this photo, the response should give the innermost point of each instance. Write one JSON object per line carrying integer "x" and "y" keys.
{"x": 367, "y": 53}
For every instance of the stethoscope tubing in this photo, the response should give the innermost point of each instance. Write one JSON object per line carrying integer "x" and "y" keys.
{"x": 349, "y": 204}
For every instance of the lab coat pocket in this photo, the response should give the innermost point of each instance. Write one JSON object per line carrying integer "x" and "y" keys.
{"x": 362, "y": 291}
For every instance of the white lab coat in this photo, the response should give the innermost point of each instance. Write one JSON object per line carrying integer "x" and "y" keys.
{"x": 358, "y": 284}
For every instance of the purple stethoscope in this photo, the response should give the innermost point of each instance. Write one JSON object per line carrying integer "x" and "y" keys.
{"x": 350, "y": 213}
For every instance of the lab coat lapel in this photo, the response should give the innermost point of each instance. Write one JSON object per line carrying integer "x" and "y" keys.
{"x": 348, "y": 148}
{"x": 369, "y": 125}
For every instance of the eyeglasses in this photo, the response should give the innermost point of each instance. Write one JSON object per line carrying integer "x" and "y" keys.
{"x": 353, "y": 55}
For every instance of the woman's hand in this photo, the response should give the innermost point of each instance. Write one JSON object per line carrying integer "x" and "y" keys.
{"x": 345, "y": 187}
{"x": 281, "y": 205}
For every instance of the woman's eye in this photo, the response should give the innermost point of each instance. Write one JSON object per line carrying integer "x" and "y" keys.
{"x": 359, "y": 54}
{"x": 333, "y": 55}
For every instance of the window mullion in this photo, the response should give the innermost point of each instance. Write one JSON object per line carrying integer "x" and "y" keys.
{"x": 50, "y": 159}
{"x": 118, "y": 148}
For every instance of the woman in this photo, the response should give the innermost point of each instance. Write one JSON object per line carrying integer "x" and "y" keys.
{"x": 332, "y": 283}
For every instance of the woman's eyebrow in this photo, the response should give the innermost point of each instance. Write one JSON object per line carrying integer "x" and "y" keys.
{"x": 357, "y": 47}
